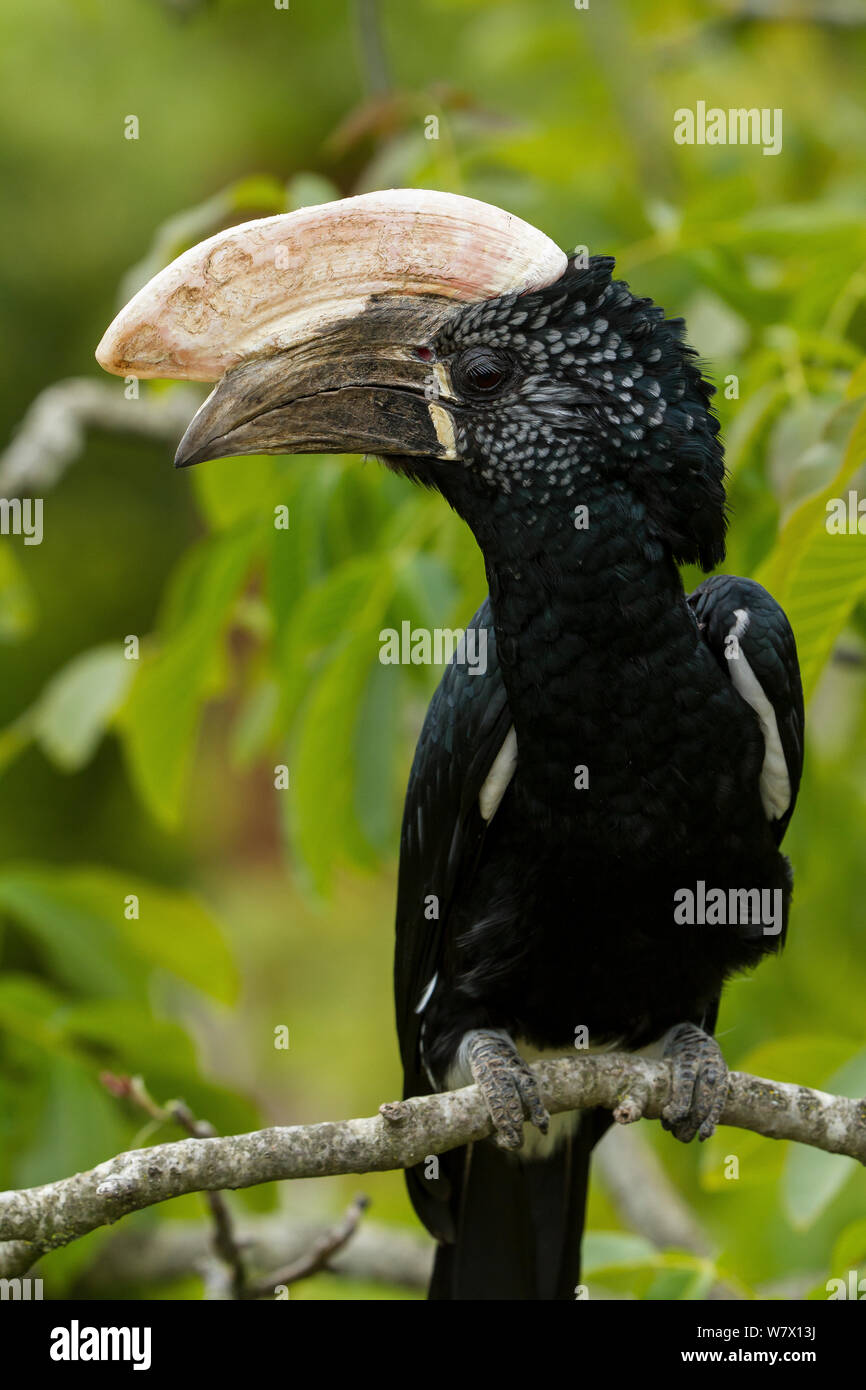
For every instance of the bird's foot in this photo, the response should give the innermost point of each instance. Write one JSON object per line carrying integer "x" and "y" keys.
{"x": 700, "y": 1083}
{"x": 508, "y": 1085}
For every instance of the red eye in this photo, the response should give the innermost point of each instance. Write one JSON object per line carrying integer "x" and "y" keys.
{"x": 424, "y": 354}
{"x": 481, "y": 371}
{"x": 485, "y": 378}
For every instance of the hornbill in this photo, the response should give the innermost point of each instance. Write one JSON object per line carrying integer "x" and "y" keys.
{"x": 626, "y": 744}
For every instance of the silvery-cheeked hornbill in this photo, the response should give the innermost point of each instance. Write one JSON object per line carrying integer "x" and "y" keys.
{"x": 626, "y": 743}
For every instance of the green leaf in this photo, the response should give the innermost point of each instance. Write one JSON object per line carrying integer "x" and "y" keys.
{"x": 377, "y": 745}
{"x": 139, "y": 1041}
{"x": 17, "y": 611}
{"x": 30, "y": 1009}
{"x": 811, "y": 1177}
{"x": 78, "y": 917}
{"x": 849, "y": 1252}
{"x": 802, "y": 1059}
{"x": 75, "y": 708}
{"x": 321, "y": 805}
{"x": 307, "y": 190}
{"x": 229, "y": 493}
{"x": 425, "y": 592}
{"x": 610, "y": 1249}
{"x": 296, "y": 556}
{"x": 625, "y": 1262}
{"x": 321, "y": 808}
{"x": 827, "y": 585}
{"x": 253, "y": 729}
{"x": 715, "y": 329}
{"x": 816, "y": 576}
{"x": 13, "y": 740}
{"x": 158, "y": 723}
{"x": 684, "y": 1285}
{"x": 78, "y": 1127}
{"x": 800, "y": 433}
{"x": 83, "y": 950}
{"x": 319, "y": 621}
{"x": 260, "y": 191}
{"x": 856, "y": 383}
{"x": 847, "y": 427}
{"x": 749, "y": 422}
{"x": 174, "y": 931}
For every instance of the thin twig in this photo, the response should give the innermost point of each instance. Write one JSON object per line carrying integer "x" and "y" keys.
{"x": 372, "y": 45}
{"x": 158, "y": 1253}
{"x": 317, "y": 1257}
{"x": 52, "y": 433}
{"x": 225, "y": 1242}
{"x": 833, "y": 13}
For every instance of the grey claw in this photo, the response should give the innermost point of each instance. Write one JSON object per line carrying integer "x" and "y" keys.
{"x": 508, "y": 1085}
{"x": 700, "y": 1083}
{"x": 533, "y": 1104}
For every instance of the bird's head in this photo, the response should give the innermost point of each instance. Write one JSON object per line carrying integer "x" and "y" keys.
{"x": 452, "y": 340}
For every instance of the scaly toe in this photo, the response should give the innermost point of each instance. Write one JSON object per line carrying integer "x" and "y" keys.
{"x": 699, "y": 1085}
{"x": 508, "y": 1086}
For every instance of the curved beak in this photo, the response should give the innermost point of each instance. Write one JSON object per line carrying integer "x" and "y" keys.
{"x": 358, "y": 389}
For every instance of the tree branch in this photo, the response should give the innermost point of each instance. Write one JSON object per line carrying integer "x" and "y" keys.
{"x": 51, "y": 435}
{"x": 834, "y": 13}
{"x": 402, "y": 1134}
{"x": 314, "y": 1259}
{"x": 159, "y": 1253}
{"x": 371, "y": 42}
{"x": 226, "y": 1246}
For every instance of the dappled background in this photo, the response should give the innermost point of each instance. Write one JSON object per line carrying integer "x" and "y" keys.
{"x": 261, "y": 908}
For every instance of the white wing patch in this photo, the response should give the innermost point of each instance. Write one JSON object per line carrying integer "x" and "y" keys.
{"x": 425, "y": 997}
{"x": 499, "y": 776}
{"x": 775, "y": 782}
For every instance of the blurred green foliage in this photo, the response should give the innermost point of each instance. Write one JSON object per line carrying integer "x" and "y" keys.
{"x": 153, "y": 780}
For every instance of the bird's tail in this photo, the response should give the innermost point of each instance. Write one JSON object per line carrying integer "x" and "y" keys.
{"x": 519, "y": 1220}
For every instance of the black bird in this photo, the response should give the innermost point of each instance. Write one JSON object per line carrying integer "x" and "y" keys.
{"x": 628, "y": 751}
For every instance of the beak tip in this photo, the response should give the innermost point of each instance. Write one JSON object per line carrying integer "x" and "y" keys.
{"x": 193, "y": 449}
{"x": 185, "y": 458}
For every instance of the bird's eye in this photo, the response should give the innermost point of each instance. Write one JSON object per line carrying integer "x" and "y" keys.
{"x": 484, "y": 378}
{"x": 481, "y": 371}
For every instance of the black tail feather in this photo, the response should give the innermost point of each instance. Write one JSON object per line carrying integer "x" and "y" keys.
{"x": 519, "y": 1221}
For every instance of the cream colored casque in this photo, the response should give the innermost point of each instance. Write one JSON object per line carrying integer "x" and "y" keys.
{"x": 264, "y": 286}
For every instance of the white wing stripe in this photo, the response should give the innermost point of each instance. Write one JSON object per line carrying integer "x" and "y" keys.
{"x": 425, "y": 997}
{"x": 498, "y": 777}
{"x": 775, "y": 781}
